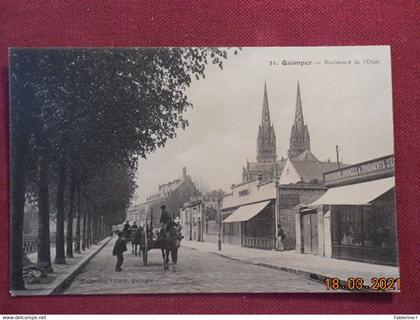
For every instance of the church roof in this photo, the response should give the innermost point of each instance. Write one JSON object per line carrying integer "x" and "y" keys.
{"x": 305, "y": 155}
{"x": 266, "y": 166}
{"x": 311, "y": 170}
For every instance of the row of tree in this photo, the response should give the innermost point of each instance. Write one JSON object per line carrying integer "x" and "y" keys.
{"x": 80, "y": 120}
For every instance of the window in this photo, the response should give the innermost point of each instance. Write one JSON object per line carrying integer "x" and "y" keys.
{"x": 379, "y": 226}
{"x": 369, "y": 225}
{"x": 350, "y": 225}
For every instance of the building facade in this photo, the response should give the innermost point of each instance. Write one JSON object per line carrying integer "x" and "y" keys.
{"x": 356, "y": 218}
{"x": 248, "y": 214}
{"x": 199, "y": 217}
{"x": 172, "y": 194}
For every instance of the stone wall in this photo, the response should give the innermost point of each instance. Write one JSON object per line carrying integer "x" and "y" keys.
{"x": 287, "y": 213}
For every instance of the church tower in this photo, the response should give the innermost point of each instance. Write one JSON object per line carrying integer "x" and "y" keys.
{"x": 299, "y": 138}
{"x": 266, "y": 141}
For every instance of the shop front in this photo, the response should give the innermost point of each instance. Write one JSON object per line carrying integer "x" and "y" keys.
{"x": 249, "y": 215}
{"x": 355, "y": 219}
{"x": 251, "y": 226}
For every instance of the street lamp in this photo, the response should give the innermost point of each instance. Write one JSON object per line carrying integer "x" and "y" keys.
{"x": 219, "y": 240}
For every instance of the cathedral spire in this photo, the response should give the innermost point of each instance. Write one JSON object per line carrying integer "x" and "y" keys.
{"x": 265, "y": 117}
{"x": 266, "y": 141}
{"x": 298, "y": 112}
{"x": 299, "y": 138}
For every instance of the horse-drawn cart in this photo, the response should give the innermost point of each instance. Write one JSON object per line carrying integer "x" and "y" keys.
{"x": 145, "y": 239}
{"x": 148, "y": 241}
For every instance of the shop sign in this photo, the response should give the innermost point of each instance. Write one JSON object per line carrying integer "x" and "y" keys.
{"x": 376, "y": 168}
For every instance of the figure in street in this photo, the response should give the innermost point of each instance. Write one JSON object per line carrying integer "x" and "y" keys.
{"x": 134, "y": 226}
{"x": 119, "y": 249}
{"x": 280, "y": 238}
{"x": 165, "y": 219}
{"x": 126, "y": 229}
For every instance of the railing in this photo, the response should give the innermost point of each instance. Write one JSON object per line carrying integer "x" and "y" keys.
{"x": 236, "y": 240}
{"x": 30, "y": 244}
{"x": 256, "y": 242}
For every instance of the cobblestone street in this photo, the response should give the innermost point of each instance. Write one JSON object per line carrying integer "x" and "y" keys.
{"x": 196, "y": 272}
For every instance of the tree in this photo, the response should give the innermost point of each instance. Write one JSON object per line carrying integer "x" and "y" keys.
{"x": 88, "y": 115}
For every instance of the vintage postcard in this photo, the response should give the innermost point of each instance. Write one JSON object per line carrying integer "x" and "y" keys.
{"x": 194, "y": 170}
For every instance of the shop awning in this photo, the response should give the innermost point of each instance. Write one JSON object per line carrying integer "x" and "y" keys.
{"x": 356, "y": 194}
{"x": 244, "y": 213}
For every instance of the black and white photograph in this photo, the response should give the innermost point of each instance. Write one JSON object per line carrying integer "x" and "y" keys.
{"x": 202, "y": 170}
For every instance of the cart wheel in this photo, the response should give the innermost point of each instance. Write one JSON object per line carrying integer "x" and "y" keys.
{"x": 144, "y": 254}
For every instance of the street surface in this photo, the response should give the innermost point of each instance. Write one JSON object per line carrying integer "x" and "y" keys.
{"x": 195, "y": 272}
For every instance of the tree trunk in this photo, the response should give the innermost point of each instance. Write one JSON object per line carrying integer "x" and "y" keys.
{"x": 44, "y": 254}
{"x": 78, "y": 217}
{"x": 69, "y": 235}
{"x": 101, "y": 226}
{"x": 59, "y": 235}
{"x": 89, "y": 229}
{"x": 18, "y": 170}
{"x": 84, "y": 226}
{"x": 94, "y": 227}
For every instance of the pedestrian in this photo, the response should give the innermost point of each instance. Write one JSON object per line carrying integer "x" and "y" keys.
{"x": 119, "y": 249}
{"x": 134, "y": 226}
{"x": 126, "y": 228}
{"x": 281, "y": 236}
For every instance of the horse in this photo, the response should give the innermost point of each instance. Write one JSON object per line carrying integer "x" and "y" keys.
{"x": 169, "y": 243}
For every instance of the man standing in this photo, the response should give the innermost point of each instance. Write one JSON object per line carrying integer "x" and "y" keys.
{"x": 119, "y": 249}
{"x": 280, "y": 238}
{"x": 126, "y": 229}
{"x": 134, "y": 226}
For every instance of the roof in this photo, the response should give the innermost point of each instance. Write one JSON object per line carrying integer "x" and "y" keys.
{"x": 311, "y": 170}
{"x": 248, "y": 193}
{"x": 166, "y": 189}
{"x": 306, "y": 155}
{"x": 263, "y": 167}
{"x": 356, "y": 194}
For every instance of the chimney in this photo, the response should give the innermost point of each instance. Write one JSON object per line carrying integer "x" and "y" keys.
{"x": 184, "y": 172}
{"x": 259, "y": 179}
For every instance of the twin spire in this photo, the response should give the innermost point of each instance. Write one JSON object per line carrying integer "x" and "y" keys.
{"x": 299, "y": 137}
{"x": 265, "y": 119}
{"x": 266, "y": 141}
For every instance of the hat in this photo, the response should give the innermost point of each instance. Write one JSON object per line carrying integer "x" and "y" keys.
{"x": 120, "y": 233}
{"x": 163, "y": 206}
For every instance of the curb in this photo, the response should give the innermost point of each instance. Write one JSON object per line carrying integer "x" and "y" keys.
{"x": 60, "y": 286}
{"x": 311, "y": 275}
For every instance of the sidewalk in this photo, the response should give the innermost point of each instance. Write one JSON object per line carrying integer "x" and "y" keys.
{"x": 63, "y": 273}
{"x": 315, "y": 267}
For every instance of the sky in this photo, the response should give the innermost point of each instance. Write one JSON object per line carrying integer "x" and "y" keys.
{"x": 349, "y": 105}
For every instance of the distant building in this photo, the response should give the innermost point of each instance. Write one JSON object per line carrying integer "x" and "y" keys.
{"x": 249, "y": 211}
{"x": 199, "y": 217}
{"x": 300, "y": 165}
{"x": 299, "y": 137}
{"x": 266, "y": 165}
{"x": 172, "y": 194}
{"x": 136, "y": 213}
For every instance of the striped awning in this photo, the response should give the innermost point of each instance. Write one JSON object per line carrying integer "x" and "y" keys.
{"x": 356, "y": 194}
{"x": 244, "y": 213}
